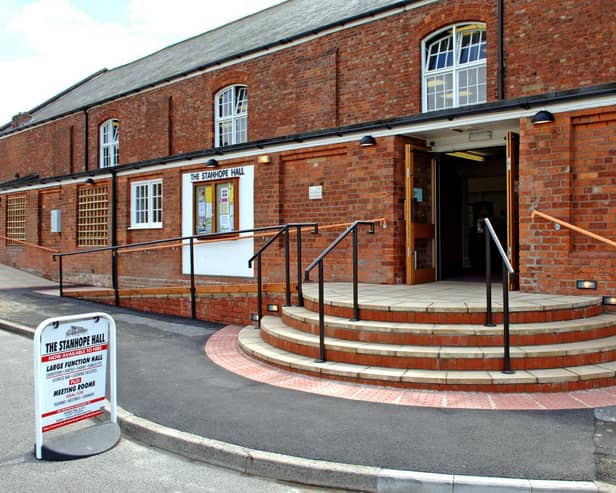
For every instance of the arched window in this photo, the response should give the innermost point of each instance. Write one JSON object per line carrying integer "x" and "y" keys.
{"x": 231, "y": 116}
{"x": 110, "y": 143}
{"x": 454, "y": 67}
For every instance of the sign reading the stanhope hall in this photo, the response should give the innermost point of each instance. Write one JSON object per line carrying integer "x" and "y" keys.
{"x": 70, "y": 365}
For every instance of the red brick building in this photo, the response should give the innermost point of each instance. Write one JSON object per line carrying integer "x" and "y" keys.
{"x": 448, "y": 94}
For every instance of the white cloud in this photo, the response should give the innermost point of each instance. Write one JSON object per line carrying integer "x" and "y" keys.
{"x": 65, "y": 44}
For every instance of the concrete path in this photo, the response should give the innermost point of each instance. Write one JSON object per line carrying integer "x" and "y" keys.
{"x": 195, "y": 407}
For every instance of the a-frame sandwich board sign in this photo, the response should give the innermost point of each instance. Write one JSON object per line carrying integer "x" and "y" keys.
{"x": 72, "y": 357}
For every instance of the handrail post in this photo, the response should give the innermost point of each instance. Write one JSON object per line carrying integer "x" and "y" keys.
{"x": 259, "y": 293}
{"x": 489, "y": 321}
{"x": 287, "y": 267}
{"x": 300, "y": 293}
{"x": 114, "y": 276}
{"x": 61, "y": 286}
{"x": 506, "y": 344}
{"x": 321, "y": 316}
{"x": 193, "y": 300}
{"x": 355, "y": 277}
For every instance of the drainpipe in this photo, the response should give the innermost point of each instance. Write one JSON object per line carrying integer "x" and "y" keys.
{"x": 114, "y": 239}
{"x": 85, "y": 140}
{"x": 501, "y": 51}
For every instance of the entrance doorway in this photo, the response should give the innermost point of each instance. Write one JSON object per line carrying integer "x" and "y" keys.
{"x": 446, "y": 195}
{"x": 472, "y": 185}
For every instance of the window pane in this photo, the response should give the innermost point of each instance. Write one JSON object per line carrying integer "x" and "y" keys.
{"x": 241, "y": 130}
{"x": 224, "y": 195}
{"x": 203, "y": 194}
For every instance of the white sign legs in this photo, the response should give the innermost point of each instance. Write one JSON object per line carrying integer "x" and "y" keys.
{"x": 71, "y": 357}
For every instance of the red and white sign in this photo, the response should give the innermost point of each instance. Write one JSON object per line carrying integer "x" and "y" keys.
{"x": 70, "y": 365}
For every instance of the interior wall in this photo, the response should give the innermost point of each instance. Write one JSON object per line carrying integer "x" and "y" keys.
{"x": 469, "y": 191}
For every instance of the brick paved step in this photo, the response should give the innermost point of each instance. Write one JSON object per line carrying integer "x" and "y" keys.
{"x": 596, "y": 327}
{"x": 539, "y": 380}
{"x": 276, "y": 333}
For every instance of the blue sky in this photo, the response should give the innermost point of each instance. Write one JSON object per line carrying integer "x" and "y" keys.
{"x": 48, "y": 45}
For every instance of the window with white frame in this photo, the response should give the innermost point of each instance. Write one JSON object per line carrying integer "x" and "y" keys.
{"x": 231, "y": 116}
{"x": 147, "y": 204}
{"x": 454, "y": 67}
{"x": 109, "y": 143}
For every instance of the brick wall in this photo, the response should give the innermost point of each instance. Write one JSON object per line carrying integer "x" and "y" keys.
{"x": 566, "y": 170}
{"x": 366, "y": 73}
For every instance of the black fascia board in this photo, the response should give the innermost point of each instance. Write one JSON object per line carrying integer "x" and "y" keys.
{"x": 220, "y": 61}
{"x": 452, "y": 114}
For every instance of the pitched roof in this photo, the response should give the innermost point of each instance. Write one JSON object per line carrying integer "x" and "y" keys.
{"x": 274, "y": 26}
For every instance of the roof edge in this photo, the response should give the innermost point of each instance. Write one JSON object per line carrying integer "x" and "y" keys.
{"x": 220, "y": 61}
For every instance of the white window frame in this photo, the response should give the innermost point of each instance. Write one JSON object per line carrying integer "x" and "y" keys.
{"x": 141, "y": 205}
{"x": 455, "y": 69}
{"x": 232, "y": 111}
{"x": 109, "y": 143}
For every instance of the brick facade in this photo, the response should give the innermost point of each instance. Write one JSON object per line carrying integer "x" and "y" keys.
{"x": 353, "y": 76}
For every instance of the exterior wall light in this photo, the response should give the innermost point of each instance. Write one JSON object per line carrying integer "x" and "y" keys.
{"x": 264, "y": 159}
{"x": 89, "y": 181}
{"x": 367, "y": 141}
{"x": 586, "y": 284}
{"x": 211, "y": 163}
{"x": 273, "y": 307}
{"x": 542, "y": 116}
{"x": 609, "y": 300}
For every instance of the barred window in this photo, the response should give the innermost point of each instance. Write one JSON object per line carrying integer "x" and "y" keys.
{"x": 92, "y": 216}
{"x": 16, "y": 219}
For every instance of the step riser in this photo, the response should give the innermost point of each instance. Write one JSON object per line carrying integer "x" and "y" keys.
{"x": 439, "y": 363}
{"x": 502, "y": 388}
{"x": 451, "y": 340}
{"x": 457, "y": 317}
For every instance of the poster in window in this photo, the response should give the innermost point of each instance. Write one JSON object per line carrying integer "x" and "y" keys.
{"x": 204, "y": 210}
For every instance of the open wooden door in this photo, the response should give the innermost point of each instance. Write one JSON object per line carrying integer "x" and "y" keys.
{"x": 513, "y": 226}
{"x": 420, "y": 215}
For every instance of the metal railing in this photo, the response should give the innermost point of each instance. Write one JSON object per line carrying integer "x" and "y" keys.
{"x": 507, "y": 272}
{"x": 284, "y": 230}
{"x": 319, "y": 261}
{"x": 115, "y": 250}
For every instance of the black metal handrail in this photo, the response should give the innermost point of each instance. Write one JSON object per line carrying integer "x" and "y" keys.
{"x": 232, "y": 235}
{"x": 319, "y": 261}
{"x": 507, "y": 273}
{"x": 284, "y": 230}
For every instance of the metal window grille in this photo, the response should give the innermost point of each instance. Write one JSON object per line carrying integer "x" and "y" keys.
{"x": 16, "y": 219}
{"x": 92, "y": 217}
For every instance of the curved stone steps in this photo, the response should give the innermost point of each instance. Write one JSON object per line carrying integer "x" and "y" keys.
{"x": 540, "y": 380}
{"x": 431, "y": 334}
{"x": 446, "y": 303}
{"x": 275, "y": 332}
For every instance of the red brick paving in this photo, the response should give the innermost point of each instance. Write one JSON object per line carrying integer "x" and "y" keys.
{"x": 222, "y": 349}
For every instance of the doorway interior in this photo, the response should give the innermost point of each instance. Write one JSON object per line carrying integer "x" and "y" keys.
{"x": 471, "y": 184}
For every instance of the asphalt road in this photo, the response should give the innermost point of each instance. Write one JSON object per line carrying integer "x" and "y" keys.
{"x": 165, "y": 377}
{"x": 129, "y": 467}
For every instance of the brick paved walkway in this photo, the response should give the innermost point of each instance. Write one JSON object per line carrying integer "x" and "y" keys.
{"x": 222, "y": 349}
